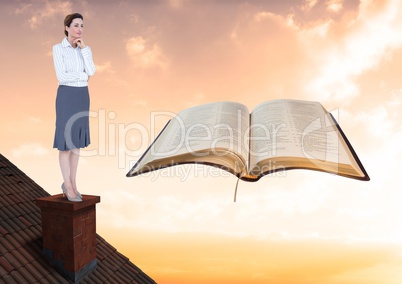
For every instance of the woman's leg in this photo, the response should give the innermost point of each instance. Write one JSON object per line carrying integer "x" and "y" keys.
{"x": 74, "y": 158}
{"x": 64, "y": 160}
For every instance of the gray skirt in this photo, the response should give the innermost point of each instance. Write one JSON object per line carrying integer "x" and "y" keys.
{"x": 72, "y": 118}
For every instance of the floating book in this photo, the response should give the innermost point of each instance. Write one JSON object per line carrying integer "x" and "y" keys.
{"x": 278, "y": 135}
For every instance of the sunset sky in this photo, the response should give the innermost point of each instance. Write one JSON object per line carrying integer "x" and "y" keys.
{"x": 155, "y": 58}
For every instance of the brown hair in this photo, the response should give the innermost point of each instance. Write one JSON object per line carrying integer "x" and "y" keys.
{"x": 68, "y": 20}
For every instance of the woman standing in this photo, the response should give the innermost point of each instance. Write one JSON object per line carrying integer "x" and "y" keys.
{"x": 74, "y": 66}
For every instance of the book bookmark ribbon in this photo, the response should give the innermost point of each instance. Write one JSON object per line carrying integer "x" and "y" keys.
{"x": 235, "y": 194}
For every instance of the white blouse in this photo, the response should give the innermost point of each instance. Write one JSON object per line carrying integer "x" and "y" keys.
{"x": 73, "y": 66}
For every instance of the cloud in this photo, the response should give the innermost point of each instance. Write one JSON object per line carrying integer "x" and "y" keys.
{"x": 309, "y": 5}
{"x": 105, "y": 68}
{"x": 41, "y": 11}
{"x": 145, "y": 55}
{"x": 341, "y": 51}
{"x": 176, "y": 3}
{"x": 176, "y": 212}
{"x": 33, "y": 149}
{"x": 334, "y": 5}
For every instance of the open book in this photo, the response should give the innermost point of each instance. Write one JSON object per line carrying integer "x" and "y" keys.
{"x": 278, "y": 135}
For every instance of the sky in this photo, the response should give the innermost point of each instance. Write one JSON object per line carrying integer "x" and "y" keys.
{"x": 155, "y": 58}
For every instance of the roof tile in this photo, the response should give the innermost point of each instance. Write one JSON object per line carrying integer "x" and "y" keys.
{"x": 58, "y": 278}
{"x": 18, "y": 238}
{"x": 131, "y": 268}
{"x": 26, "y": 238}
{"x": 40, "y": 269}
{"x": 36, "y": 231}
{"x": 12, "y": 240}
{"x": 16, "y": 224}
{"x": 5, "y": 246}
{"x": 33, "y": 271}
{"x": 7, "y": 200}
{"x": 25, "y": 253}
{"x": 6, "y": 265}
{"x": 19, "y": 257}
{"x": 6, "y": 226}
{"x": 16, "y": 199}
{"x": 8, "y": 279}
{"x": 26, "y": 275}
{"x": 95, "y": 278}
{"x": 25, "y": 221}
{"x": 7, "y": 214}
{"x": 14, "y": 209}
{"x": 12, "y": 260}
{"x": 17, "y": 276}
{"x": 123, "y": 275}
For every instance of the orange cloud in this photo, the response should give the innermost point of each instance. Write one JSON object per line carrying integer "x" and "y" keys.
{"x": 145, "y": 56}
{"x": 41, "y": 11}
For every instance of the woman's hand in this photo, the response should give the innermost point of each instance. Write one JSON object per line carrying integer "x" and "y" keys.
{"x": 80, "y": 42}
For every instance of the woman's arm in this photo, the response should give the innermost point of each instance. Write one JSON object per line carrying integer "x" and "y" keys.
{"x": 62, "y": 74}
{"x": 88, "y": 62}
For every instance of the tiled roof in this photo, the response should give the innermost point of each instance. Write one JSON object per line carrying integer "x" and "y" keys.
{"x": 21, "y": 259}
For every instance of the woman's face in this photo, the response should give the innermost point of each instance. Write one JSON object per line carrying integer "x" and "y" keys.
{"x": 76, "y": 28}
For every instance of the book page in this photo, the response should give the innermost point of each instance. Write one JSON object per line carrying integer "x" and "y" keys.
{"x": 202, "y": 130}
{"x": 292, "y": 128}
